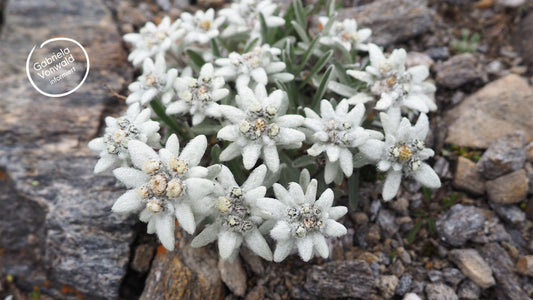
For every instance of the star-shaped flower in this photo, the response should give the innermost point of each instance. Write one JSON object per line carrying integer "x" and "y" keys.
{"x": 302, "y": 220}
{"x": 243, "y": 17}
{"x": 337, "y": 132}
{"x": 236, "y": 221}
{"x": 201, "y": 27}
{"x": 199, "y": 96}
{"x": 259, "y": 127}
{"x": 261, "y": 64}
{"x": 113, "y": 146}
{"x": 155, "y": 81}
{"x": 344, "y": 34}
{"x": 164, "y": 186}
{"x": 153, "y": 39}
{"x": 395, "y": 86}
{"x": 402, "y": 154}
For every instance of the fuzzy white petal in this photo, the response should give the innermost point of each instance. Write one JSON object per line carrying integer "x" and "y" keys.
{"x": 185, "y": 217}
{"x": 164, "y": 227}
{"x": 131, "y": 177}
{"x": 283, "y": 249}
{"x": 334, "y": 229}
{"x": 256, "y": 242}
{"x": 227, "y": 242}
{"x": 391, "y": 185}
{"x": 208, "y": 235}
{"x": 427, "y": 176}
{"x": 128, "y": 202}
{"x": 321, "y": 245}
{"x": 195, "y": 149}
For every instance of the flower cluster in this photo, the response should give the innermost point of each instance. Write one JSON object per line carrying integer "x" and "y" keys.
{"x": 262, "y": 108}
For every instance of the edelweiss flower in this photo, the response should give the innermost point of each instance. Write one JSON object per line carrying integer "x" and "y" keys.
{"x": 235, "y": 220}
{"x": 201, "y": 27}
{"x": 343, "y": 33}
{"x": 152, "y": 40}
{"x": 302, "y": 221}
{"x": 403, "y": 153}
{"x": 336, "y": 132}
{"x": 243, "y": 17}
{"x": 113, "y": 146}
{"x": 395, "y": 86}
{"x": 259, "y": 126}
{"x": 155, "y": 81}
{"x": 164, "y": 186}
{"x": 262, "y": 65}
{"x": 199, "y": 96}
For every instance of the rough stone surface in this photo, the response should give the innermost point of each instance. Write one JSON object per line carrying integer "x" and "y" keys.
{"x": 404, "y": 285}
{"x": 473, "y": 266}
{"x": 453, "y": 276}
{"x": 142, "y": 258}
{"x": 467, "y": 178}
{"x": 458, "y": 71}
{"x": 387, "y": 285}
{"x": 233, "y": 275}
{"x": 510, "y": 213}
{"x": 440, "y": 291}
{"x": 529, "y": 152}
{"x": 387, "y": 222}
{"x": 468, "y": 290}
{"x": 186, "y": 273}
{"x": 72, "y": 238}
{"x": 392, "y": 21}
{"x": 521, "y": 38}
{"x": 341, "y": 279}
{"x": 460, "y": 224}
{"x": 501, "y": 107}
{"x": 505, "y": 155}
{"x": 508, "y": 189}
{"x": 524, "y": 265}
{"x": 507, "y": 285}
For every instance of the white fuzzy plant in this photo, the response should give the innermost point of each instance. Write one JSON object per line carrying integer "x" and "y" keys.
{"x": 250, "y": 79}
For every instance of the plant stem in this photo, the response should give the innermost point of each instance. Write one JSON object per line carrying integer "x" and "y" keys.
{"x": 182, "y": 129}
{"x": 353, "y": 190}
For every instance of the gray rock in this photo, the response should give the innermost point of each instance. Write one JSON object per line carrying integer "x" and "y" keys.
{"x": 459, "y": 224}
{"x": 473, "y": 266}
{"x": 510, "y": 213}
{"x": 392, "y": 21}
{"x": 529, "y": 152}
{"x": 453, "y": 276}
{"x": 351, "y": 278}
{"x": 469, "y": 290}
{"x": 493, "y": 231}
{"x": 442, "y": 168}
{"x": 467, "y": 178}
{"x": 387, "y": 285}
{"x": 508, "y": 286}
{"x": 374, "y": 209}
{"x": 56, "y": 223}
{"x": 458, "y": 71}
{"x": 505, "y": 155}
{"x": 188, "y": 273}
{"x": 435, "y": 276}
{"x": 501, "y": 107}
{"x": 404, "y": 285}
{"x": 233, "y": 275}
{"x": 438, "y": 53}
{"x": 508, "y": 189}
{"x": 440, "y": 291}
{"x": 521, "y": 41}
{"x": 387, "y": 222}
